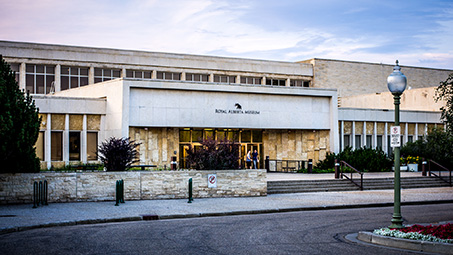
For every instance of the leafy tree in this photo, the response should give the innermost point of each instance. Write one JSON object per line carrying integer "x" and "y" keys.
{"x": 437, "y": 145}
{"x": 19, "y": 126}
{"x": 445, "y": 92}
{"x": 214, "y": 155}
{"x": 118, "y": 154}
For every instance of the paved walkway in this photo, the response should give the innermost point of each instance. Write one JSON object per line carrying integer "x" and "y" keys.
{"x": 21, "y": 217}
{"x": 274, "y": 176}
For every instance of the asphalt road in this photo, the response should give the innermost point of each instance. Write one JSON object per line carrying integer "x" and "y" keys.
{"x": 308, "y": 232}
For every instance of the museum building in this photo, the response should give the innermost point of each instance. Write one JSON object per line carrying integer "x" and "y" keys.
{"x": 165, "y": 101}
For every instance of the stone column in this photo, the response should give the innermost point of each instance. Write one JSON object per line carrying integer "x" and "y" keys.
{"x": 183, "y": 76}
{"x": 91, "y": 75}
{"x": 22, "y": 71}
{"x": 238, "y": 79}
{"x": 83, "y": 140}
{"x": 416, "y": 132}
{"x": 364, "y": 135}
{"x": 353, "y": 135}
{"x": 375, "y": 135}
{"x": 154, "y": 74}
{"x": 385, "y": 145}
{"x": 263, "y": 80}
{"x": 406, "y": 135}
{"x": 48, "y": 141}
{"x": 342, "y": 135}
{"x": 288, "y": 82}
{"x": 66, "y": 140}
{"x": 57, "y": 83}
{"x": 123, "y": 72}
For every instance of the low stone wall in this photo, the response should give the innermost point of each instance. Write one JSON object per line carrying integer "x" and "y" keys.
{"x": 100, "y": 186}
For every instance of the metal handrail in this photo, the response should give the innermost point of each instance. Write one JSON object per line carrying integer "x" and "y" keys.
{"x": 342, "y": 162}
{"x": 439, "y": 176}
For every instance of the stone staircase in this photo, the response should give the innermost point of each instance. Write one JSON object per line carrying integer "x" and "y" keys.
{"x": 279, "y": 187}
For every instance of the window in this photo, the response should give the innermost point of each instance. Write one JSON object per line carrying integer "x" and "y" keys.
{"x": 39, "y": 78}
{"x": 40, "y": 146}
{"x": 56, "y": 147}
{"x": 389, "y": 148}
{"x": 15, "y": 67}
{"x": 250, "y": 80}
{"x": 275, "y": 82}
{"x": 358, "y": 141}
{"x": 347, "y": 141}
{"x": 139, "y": 74}
{"x": 224, "y": 78}
{"x": 197, "y": 77}
{"x": 369, "y": 141}
{"x": 410, "y": 139}
{"x": 74, "y": 145}
{"x": 168, "y": 76}
{"x": 379, "y": 142}
{"x": 92, "y": 145}
{"x": 73, "y": 77}
{"x": 101, "y": 75}
{"x": 299, "y": 83}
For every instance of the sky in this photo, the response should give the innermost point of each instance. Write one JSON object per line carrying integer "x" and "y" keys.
{"x": 416, "y": 32}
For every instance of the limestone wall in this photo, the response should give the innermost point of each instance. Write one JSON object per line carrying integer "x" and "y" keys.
{"x": 356, "y": 78}
{"x": 296, "y": 144}
{"x": 100, "y": 186}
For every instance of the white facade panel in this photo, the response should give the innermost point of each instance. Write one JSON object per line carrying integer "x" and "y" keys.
{"x": 179, "y": 108}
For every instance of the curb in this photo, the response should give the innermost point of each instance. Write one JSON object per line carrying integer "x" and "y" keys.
{"x": 213, "y": 214}
{"x": 415, "y": 245}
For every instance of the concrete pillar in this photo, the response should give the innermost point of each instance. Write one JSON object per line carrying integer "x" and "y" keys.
{"x": 91, "y": 75}
{"x": 426, "y": 129}
{"x": 211, "y": 77}
{"x": 384, "y": 146}
{"x": 263, "y": 80}
{"x": 183, "y": 76}
{"x": 83, "y": 140}
{"x": 364, "y": 135}
{"x": 57, "y": 83}
{"x": 48, "y": 141}
{"x": 22, "y": 71}
{"x": 406, "y": 135}
{"x": 238, "y": 79}
{"x": 342, "y": 135}
{"x": 416, "y": 132}
{"x": 375, "y": 135}
{"x": 154, "y": 75}
{"x": 66, "y": 140}
{"x": 123, "y": 72}
{"x": 288, "y": 81}
{"x": 353, "y": 136}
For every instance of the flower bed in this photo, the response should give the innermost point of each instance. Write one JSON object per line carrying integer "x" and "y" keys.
{"x": 436, "y": 233}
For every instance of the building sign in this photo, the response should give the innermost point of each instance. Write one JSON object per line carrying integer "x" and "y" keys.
{"x": 237, "y": 110}
{"x": 212, "y": 181}
{"x": 395, "y": 136}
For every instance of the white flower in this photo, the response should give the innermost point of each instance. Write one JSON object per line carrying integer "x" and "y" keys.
{"x": 410, "y": 235}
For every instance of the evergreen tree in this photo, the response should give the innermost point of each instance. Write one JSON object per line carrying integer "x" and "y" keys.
{"x": 19, "y": 126}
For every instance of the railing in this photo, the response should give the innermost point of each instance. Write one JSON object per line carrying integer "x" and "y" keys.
{"x": 439, "y": 171}
{"x": 286, "y": 166}
{"x": 341, "y": 165}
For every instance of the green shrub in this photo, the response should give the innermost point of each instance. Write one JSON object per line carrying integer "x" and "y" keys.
{"x": 363, "y": 159}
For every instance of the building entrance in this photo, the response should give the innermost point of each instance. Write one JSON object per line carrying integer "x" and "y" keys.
{"x": 248, "y": 139}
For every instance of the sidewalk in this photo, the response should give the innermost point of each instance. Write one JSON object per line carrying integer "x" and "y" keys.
{"x": 21, "y": 217}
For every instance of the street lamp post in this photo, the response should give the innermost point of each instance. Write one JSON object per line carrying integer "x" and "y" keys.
{"x": 396, "y": 83}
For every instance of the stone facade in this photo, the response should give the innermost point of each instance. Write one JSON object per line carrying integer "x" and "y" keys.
{"x": 157, "y": 145}
{"x": 357, "y": 78}
{"x": 100, "y": 186}
{"x": 296, "y": 144}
